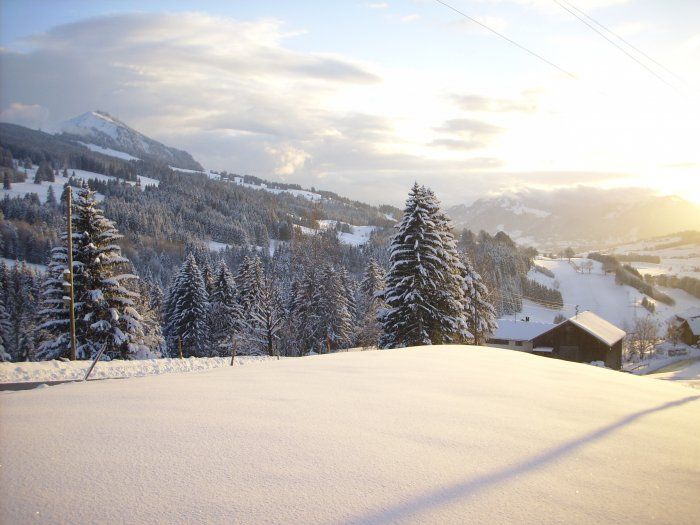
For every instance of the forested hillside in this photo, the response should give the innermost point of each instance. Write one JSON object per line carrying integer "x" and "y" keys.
{"x": 212, "y": 255}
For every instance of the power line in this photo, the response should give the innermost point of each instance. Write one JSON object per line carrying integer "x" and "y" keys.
{"x": 645, "y": 55}
{"x": 504, "y": 37}
{"x": 630, "y": 55}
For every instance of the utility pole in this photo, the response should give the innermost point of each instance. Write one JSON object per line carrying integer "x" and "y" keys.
{"x": 69, "y": 204}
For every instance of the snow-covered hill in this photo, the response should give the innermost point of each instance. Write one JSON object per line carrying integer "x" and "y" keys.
{"x": 597, "y": 292}
{"x": 428, "y": 435}
{"x": 106, "y": 134}
{"x": 581, "y": 217}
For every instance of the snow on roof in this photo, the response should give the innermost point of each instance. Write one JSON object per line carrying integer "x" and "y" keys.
{"x": 520, "y": 330}
{"x": 690, "y": 313}
{"x": 598, "y": 327}
{"x": 694, "y": 324}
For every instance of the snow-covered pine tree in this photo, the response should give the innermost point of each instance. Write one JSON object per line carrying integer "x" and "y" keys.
{"x": 370, "y": 303}
{"x": 268, "y": 318}
{"x": 207, "y": 276}
{"x": 249, "y": 283}
{"x": 188, "y": 317}
{"x": 4, "y": 333}
{"x": 54, "y": 320}
{"x": 333, "y": 310}
{"x": 372, "y": 282}
{"x": 479, "y": 312}
{"x": 168, "y": 313}
{"x": 224, "y": 312}
{"x": 21, "y": 294}
{"x": 106, "y": 313}
{"x": 423, "y": 287}
{"x": 304, "y": 321}
{"x": 449, "y": 296}
{"x": 249, "y": 280}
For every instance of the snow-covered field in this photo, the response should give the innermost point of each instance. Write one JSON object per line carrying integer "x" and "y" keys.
{"x": 430, "y": 435}
{"x": 682, "y": 260}
{"x": 357, "y": 236}
{"x": 22, "y": 188}
{"x": 34, "y": 372}
{"x": 598, "y": 293}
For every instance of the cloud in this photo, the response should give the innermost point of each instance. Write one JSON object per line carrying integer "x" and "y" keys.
{"x": 472, "y": 102}
{"x": 465, "y": 134}
{"x": 410, "y": 18}
{"x": 28, "y": 115}
{"x": 378, "y": 5}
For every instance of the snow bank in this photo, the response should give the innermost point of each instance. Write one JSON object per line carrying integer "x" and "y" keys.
{"x": 431, "y": 435}
{"x": 64, "y": 370}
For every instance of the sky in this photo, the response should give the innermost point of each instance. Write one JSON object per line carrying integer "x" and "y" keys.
{"x": 363, "y": 98}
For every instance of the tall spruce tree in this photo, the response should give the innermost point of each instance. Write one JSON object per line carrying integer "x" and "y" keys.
{"x": 268, "y": 318}
{"x": 370, "y": 304}
{"x": 224, "y": 312}
{"x": 479, "y": 312}
{"x": 5, "y": 329}
{"x": 423, "y": 286}
{"x": 106, "y": 312}
{"x": 188, "y": 316}
{"x": 333, "y": 311}
{"x": 53, "y": 330}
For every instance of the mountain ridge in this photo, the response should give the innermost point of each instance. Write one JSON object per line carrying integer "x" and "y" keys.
{"x": 583, "y": 216}
{"x": 108, "y": 132}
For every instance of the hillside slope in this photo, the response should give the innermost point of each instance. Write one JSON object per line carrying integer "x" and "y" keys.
{"x": 598, "y": 292}
{"x": 428, "y": 435}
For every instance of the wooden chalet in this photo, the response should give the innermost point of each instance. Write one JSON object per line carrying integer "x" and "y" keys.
{"x": 688, "y": 323}
{"x": 583, "y": 338}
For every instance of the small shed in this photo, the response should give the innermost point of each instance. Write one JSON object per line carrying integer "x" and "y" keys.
{"x": 688, "y": 323}
{"x": 584, "y": 338}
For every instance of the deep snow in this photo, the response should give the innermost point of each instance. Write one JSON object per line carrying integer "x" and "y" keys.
{"x": 429, "y": 435}
{"x": 54, "y": 370}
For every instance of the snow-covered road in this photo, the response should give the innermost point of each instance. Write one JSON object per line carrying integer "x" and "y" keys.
{"x": 429, "y": 435}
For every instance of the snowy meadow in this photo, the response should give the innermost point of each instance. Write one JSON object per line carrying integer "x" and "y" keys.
{"x": 448, "y": 434}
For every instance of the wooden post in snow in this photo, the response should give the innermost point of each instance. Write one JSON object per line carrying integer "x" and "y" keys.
{"x": 179, "y": 346}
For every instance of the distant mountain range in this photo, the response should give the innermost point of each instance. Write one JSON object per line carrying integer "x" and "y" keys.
{"x": 582, "y": 217}
{"x": 104, "y": 133}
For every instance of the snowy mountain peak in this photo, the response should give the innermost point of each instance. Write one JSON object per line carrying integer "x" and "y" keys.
{"x": 95, "y": 122}
{"x": 107, "y": 132}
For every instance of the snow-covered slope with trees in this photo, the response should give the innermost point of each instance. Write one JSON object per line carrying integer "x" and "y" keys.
{"x": 428, "y": 435}
{"x": 109, "y": 133}
{"x": 599, "y": 293}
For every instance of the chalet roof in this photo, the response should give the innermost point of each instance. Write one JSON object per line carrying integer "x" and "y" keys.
{"x": 598, "y": 327}
{"x": 694, "y": 325}
{"x": 691, "y": 313}
{"x": 511, "y": 330}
